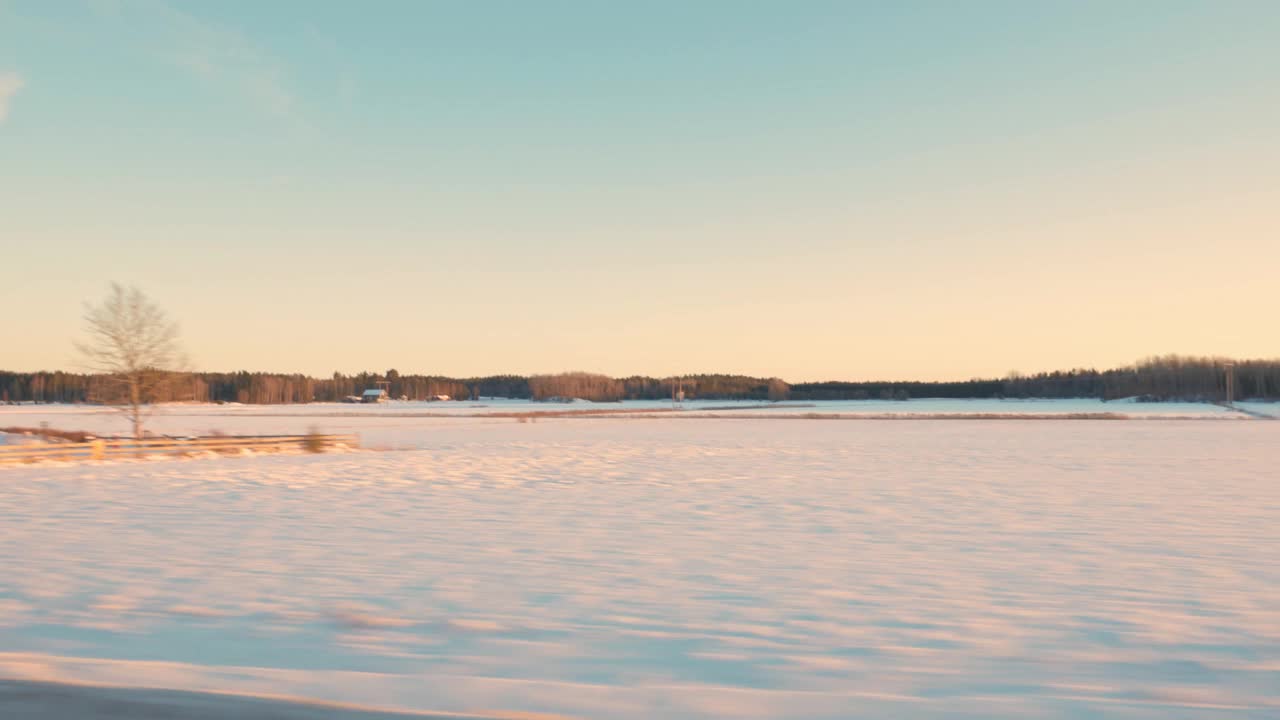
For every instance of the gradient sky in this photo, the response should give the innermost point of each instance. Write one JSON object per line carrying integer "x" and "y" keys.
{"x": 812, "y": 190}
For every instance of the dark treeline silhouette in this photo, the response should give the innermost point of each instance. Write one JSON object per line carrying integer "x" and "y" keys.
{"x": 1178, "y": 377}
{"x": 1166, "y": 378}
{"x": 837, "y": 390}
{"x": 1058, "y": 384}
{"x": 706, "y": 387}
{"x": 1170, "y": 377}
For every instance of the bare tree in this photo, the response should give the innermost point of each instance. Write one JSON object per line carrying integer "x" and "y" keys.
{"x": 133, "y": 346}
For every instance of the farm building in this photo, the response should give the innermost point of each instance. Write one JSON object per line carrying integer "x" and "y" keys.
{"x": 374, "y": 396}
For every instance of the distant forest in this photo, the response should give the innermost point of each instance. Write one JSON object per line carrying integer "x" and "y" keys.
{"x": 1156, "y": 379}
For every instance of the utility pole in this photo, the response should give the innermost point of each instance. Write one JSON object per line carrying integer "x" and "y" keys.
{"x": 1231, "y": 383}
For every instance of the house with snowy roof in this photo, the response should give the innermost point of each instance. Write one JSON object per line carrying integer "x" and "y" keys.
{"x": 374, "y": 396}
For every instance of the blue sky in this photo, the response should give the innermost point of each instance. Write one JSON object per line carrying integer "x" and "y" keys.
{"x": 811, "y": 190}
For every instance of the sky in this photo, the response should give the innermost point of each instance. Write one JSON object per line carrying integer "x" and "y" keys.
{"x": 809, "y": 190}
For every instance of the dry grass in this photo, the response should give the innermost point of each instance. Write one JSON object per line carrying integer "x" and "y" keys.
{"x": 315, "y": 441}
{"x": 914, "y": 416}
{"x": 719, "y": 414}
{"x": 50, "y": 434}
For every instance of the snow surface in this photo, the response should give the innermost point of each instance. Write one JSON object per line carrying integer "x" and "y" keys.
{"x": 386, "y": 422}
{"x": 1271, "y": 409}
{"x": 676, "y": 569}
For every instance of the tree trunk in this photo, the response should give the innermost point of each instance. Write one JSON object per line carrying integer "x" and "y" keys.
{"x": 135, "y": 406}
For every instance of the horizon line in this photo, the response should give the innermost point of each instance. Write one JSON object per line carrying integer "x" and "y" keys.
{"x": 1011, "y": 375}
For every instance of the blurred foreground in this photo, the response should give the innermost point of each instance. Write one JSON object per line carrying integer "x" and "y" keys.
{"x": 676, "y": 569}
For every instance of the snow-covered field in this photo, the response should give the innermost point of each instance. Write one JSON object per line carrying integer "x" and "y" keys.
{"x": 406, "y": 424}
{"x": 1271, "y": 409}
{"x": 693, "y": 568}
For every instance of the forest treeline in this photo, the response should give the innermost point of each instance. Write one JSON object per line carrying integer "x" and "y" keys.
{"x": 1161, "y": 378}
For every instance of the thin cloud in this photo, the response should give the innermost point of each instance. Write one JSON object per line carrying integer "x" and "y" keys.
{"x": 225, "y": 55}
{"x": 211, "y": 51}
{"x": 344, "y": 77}
{"x": 10, "y": 83}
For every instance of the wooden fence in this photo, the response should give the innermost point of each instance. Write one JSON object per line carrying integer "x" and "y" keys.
{"x": 230, "y": 445}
